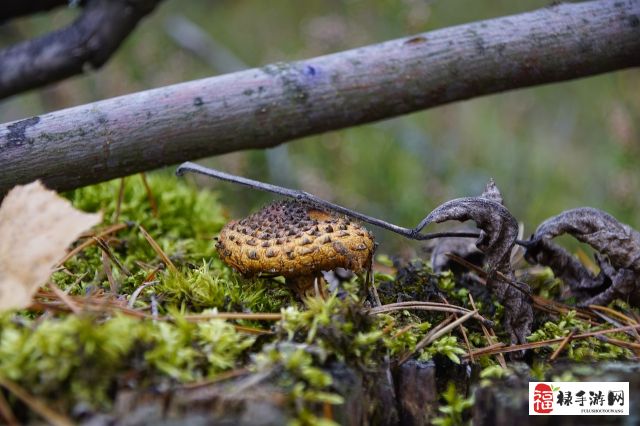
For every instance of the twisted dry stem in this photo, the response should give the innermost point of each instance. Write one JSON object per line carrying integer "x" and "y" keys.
{"x": 302, "y": 196}
{"x": 618, "y": 246}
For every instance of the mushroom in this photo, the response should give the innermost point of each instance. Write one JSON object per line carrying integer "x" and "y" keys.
{"x": 296, "y": 240}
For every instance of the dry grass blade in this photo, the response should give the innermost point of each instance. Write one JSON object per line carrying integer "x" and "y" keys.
{"x": 440, "y": 326}
{"x": 539, "y": 303}
{"x": 533, "y": 345}
{"x": 232, "y": 374}
{"x": 252, "y": 330}
{"x": 107, "y": 304}
{"x": 402, "y": 331}
{"x": 120, "y": 199}
{"x": 425, "y": 306}
{"x": 562, "y": 345}
{"x": 464, "y": 333}
{"x": 107, "y": 250}
{"x": 435, "y": 334}
{"x": 47, "y": 413}
{"x": 152, "y": 199}
{"x": 464, "y": 262}
{"x": 152, "y": 275}
{"x": 136, "y": 293}
{"x": 113, "y": 285}
{"x": 109, "y": 307}
{"x": 489, "y": 348}
{"x": 627, "y": 345}
{"x": 88, "y": 243}
{"x": 614, "y": 313}
{"x": 327, "y": 412}
{"x": 629, "y": 320}
{"x": 481, "y": 273}
{"x": 446, "y": 329}
{"x": 616, "y": 323}
{"x": 558, "y": 308}
{"x": 412, "y": 303}
{"x": 6, "y": 415}
{"x": 587, "y": 261}
{"x": 490, "y": 335}
{"x": 64, "y": 297}
{"x": 374, "y": 291}
{"x": 235, "y": 316}
{"x": 157, "y": 249}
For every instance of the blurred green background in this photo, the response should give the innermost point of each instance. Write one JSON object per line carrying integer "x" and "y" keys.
{"x": 550, "y": 148}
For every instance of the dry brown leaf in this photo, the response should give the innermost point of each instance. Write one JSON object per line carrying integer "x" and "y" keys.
{"x": 36, "y": 227}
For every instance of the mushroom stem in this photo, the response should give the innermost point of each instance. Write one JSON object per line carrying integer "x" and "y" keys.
{"x": 308, "y": 286}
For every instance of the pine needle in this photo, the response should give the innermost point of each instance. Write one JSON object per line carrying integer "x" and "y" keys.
{"x": 156, "y": 247}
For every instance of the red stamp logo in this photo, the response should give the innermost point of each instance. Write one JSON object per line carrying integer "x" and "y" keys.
{"x": 543, "y": 398}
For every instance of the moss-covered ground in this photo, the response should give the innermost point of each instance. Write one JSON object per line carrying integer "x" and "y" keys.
{"x": 139, "y": 317}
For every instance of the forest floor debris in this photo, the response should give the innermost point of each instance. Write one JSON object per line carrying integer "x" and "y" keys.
{"x": 173, "y": 322}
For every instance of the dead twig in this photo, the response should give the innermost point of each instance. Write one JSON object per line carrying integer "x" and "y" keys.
{"x": 87, "y": 42}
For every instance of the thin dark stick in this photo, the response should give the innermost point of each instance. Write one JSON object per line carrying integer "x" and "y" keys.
{"x": 411, "y": 233}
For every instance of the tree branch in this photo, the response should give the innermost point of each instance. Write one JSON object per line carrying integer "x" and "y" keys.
{"x": 260, "y": 108}
{"x": 88, "y": 42}
{"x": 13, "y": 9}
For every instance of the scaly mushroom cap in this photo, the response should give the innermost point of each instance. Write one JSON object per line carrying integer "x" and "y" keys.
{"x": 292, "y": 239}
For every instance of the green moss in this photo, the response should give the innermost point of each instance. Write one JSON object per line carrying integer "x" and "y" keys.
{"x": 407, "y": 332}
{"x": 81, "y": 358}
{"x": 454, "y": 408}
{"x": 340, "y": 327}
{"x": 544, "y": 283}
{"x": 68, "y": 359}
{"x": 182, "y": 210}
{"x": 184, "y": 226}
{"x": 447, "y": 346}
{"x": 218, "y": 287}
{"x": 295, "y": 368}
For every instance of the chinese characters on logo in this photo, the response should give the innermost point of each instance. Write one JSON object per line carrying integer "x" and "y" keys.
{"x": 582, "y": 398}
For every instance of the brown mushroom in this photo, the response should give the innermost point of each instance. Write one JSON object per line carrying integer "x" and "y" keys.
{"x": 295, "y": 240}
